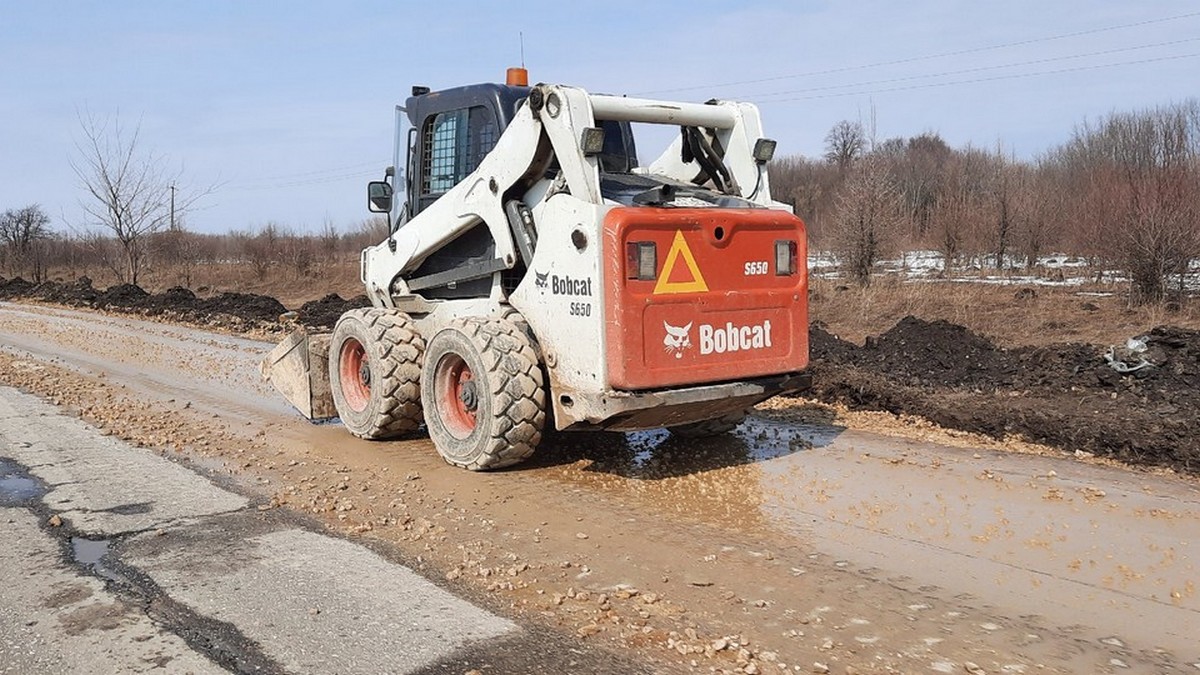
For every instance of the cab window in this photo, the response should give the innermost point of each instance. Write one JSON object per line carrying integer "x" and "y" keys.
{"x": 453, "y": 144}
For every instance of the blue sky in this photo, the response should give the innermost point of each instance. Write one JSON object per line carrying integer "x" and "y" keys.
{"x": 288, "y": 105}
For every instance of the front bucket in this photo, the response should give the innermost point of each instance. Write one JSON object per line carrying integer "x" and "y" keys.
{"x": 299, "y": 369}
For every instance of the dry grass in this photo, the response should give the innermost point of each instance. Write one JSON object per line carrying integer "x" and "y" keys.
{"x": 1052, "y": 314}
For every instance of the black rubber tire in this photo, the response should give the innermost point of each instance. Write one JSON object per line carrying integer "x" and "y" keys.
{"x": 708, "y": 428}
{"x": 393, "y": 353}
{"x": 509, "y": 394}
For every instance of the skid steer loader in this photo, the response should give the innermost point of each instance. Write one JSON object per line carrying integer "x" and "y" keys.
{"x": 537, "y": 275}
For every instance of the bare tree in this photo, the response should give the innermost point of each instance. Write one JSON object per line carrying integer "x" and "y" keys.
{"x": 961, "y": 209}
{"x": 1137, "y": 178}
{"x": 22, "y": 232}
{"x": 844, "y": 143}
{"x": 329, "y": 238}
{"x": 132, "y": 191}
{"x": 867, "y": 217}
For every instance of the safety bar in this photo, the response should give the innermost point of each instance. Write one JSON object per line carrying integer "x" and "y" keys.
{"x": 621, "y": 109}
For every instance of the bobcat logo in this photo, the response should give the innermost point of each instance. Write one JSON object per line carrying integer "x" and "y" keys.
{"x": 540, "y": 279}
{"x": 677, "y": 339}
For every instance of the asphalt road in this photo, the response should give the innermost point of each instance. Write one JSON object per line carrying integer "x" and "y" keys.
{"x": 115, "y": 559}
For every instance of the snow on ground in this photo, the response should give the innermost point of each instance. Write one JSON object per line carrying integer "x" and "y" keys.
{"x": 1054, "y": 269}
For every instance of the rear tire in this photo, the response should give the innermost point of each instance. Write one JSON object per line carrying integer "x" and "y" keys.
{"x": 375, "y": 373}
{"x": 483, "y": 394}
{"x": 708, "y": 428}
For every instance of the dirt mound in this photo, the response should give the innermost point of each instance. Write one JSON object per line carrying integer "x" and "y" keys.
{"x": 122, "y": 295}
{"x": 15, "y": 288}
{"x": 937, "y": 353}
{"x": 175, "y": 299}
{"x": 325, "y": 312}
{"x": 249, "y": 306}
{"x": 1064, "y": 395}
{"x": 246, "y": 310}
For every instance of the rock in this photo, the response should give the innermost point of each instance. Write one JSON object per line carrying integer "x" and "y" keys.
{"x": 750, "y": 669}
{"x": 720, "y": 644}
{"x": 819, "y": 667}
{"x": 972, "y": 668}
{"x": 588, "y": 630}
{"x": 581, "y": 535}
{"x": 55, "y": 521}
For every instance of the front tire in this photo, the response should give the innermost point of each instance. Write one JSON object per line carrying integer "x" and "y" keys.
{"x": 375, "y": 373}
{"x": 483, "y": 394}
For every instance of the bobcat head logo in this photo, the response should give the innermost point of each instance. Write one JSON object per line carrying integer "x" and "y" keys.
{"x": 677, "y": 339}
{"x": 540, "y": 279}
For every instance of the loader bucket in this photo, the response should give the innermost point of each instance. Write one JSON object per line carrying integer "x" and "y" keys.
{"x": 299, "y": 369}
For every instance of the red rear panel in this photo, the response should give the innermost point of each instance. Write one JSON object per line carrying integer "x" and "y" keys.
{"x": 717, "y": 310}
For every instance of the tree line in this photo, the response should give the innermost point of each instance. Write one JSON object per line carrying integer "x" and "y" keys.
{"x": 1123, "y": 192}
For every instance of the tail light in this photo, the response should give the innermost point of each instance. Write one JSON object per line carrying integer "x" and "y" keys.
{"x": 641, "y": 260}
{"x": 785, "y": 258}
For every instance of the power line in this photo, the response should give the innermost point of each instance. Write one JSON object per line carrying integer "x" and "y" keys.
{"x": 988, "y": 79}
{"x": 927, "y": 57}
{"x": 318, "y": 172}
{"x": 311, "y": 181}
{"x": 971, "y": 70}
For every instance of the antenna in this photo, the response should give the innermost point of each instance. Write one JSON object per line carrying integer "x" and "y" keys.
{"x": 521, "y": 35}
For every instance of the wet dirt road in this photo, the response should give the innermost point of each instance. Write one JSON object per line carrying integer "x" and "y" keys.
{"x": 791, "y": 543}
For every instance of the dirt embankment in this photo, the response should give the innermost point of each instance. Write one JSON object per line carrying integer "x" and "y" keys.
{"x": 236, "y": 311}
{"x": 1065, "y": 395}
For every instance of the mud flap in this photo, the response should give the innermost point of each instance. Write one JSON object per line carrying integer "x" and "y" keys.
{"x": 299, "y": 369}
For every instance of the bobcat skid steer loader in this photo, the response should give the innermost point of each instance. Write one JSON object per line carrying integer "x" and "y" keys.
{"x": 536, "y": 274}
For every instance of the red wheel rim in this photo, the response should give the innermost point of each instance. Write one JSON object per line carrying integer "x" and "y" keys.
{"x": 354, "y": 374}
{"x": 457, "y": 395}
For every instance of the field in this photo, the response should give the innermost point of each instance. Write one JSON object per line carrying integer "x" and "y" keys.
{"x": 1020, "y": 355}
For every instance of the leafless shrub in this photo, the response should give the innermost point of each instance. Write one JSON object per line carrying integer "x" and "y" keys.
{"x": 867, "y": 217}
{"x": 1137, "y": 177}
{"x": 23, "y": 233}
{"x": 132, "y": 192}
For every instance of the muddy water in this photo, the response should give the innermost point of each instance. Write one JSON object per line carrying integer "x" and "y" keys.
{"x": 906, "y": 551}
{"x": 1072, "y": 543}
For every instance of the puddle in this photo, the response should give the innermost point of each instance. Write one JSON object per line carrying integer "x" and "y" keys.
{"x": 657, "y": 453}
{"x": 91, "y": 554}
{"x": 17, "y": 487}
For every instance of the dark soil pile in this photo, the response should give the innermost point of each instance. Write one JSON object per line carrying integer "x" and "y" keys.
{"x": 325, "y": 312}
{"x": 1065, "y": 395}
{"x": 248, "y": 306}
{"x": 234, "y": 310}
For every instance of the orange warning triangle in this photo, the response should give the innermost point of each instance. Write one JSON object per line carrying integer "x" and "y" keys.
{"x": 679, "y": 247}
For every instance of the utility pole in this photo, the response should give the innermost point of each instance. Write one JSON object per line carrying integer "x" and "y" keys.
{"x": 172, "y": 206}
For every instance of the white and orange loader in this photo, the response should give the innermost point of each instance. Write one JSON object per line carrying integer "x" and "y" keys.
{"x": 536, "y": 274}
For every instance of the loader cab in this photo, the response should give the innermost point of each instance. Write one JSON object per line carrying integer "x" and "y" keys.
{"x": 451, "y": 131}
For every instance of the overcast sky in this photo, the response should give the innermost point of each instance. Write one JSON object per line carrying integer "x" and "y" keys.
{"x": 288, "y": 105}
